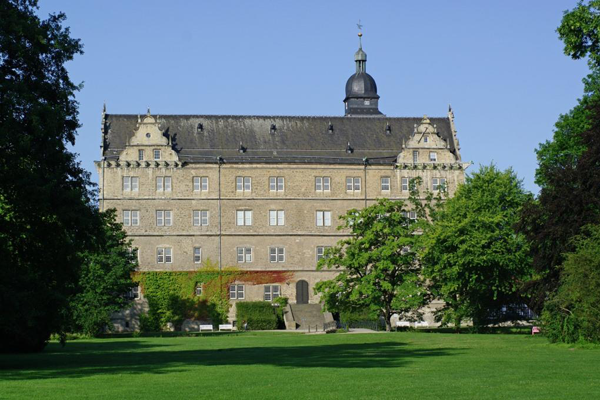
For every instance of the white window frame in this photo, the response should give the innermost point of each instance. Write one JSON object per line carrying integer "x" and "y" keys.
{"x": 415, "y": 156}
{"x": 126, "y": 218}
{"x": 200, "y": 183}
{"x": 323, "y": 218}
{"x": 198, "y": 290}
{"x": 155, "y": 153}
{"x": 164, "y": 218}
{"x": 140, "y": 155}
{"x": 163, "y": 183}
{"x": 197, "y": 255}
{"x": 272, "y": 292}
{"x": 437, "y": 183}
{"x": 432, "y": 156}
{"x": 243, "y": 217}
{"x": 276, "y": 217}
{"x": 243, "y": 183}
{"x": 131, "y": 183}
{"x": 386, "y": 183}
{"x": 276, "y": 254}
{"x": 164, "y": 255}
{"x": 322, "y": 183}
{"x": 320, "y": 252}
{"x": 133, "y": 293}
{"x": 244, "y": 254}
{"x": 276, "y": 183}
{"x": 405, "y": 184}
{"x": 237, "y": 292}
{"x": 200, "y": 218}
{"x": 353, "y": 184}
{"x": 131, "y": 217}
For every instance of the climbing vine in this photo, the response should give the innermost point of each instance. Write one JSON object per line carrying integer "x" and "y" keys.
{"x": 172, "y": 296}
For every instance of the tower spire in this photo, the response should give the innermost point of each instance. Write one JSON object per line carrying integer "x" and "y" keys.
{"x": 360, "y": 57}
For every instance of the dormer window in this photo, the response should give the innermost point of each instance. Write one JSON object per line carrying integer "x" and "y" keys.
{"x": 156, "y": 154}
{"x": 367, "y": 102}
{"x": 425, "y": 139}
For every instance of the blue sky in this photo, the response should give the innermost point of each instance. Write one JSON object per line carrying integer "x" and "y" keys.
{"x": 499, "y": 64}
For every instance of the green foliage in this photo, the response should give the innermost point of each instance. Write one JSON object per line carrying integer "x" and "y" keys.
{"x": 359, "y": 315}
{"x": 171, "y": 298}
{"x": 378, "y": 264}
{"x": 573, "y": 314}
{"x": 473, "y": 258}
{"x": 259, "y": 315}
{"x": 46, "y": 217}
{"x": 105, "y": 278}
{"x": 580, "y": 32}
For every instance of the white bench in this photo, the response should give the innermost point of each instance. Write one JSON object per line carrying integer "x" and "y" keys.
{"x": 206, "y": 328}
{"x": 421, "y": 324}
{"x": 402, "y": 324}
{"x": 226, "y": 327}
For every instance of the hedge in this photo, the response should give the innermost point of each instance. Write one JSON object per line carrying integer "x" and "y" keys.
{"x": 259, "y": 315}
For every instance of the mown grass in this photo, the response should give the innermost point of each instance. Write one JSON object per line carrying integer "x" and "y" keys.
{"x": 297, "y": 366}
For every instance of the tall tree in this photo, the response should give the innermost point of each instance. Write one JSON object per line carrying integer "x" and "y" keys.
{"x": 377, "y": 264}
{"x": 105, "y": 277}
{"x": 568, "y": 172}
{"x": 473, "y": 258}
{"x": 45, "y": 213}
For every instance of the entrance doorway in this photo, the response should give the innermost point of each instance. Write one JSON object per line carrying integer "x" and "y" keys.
{"x": 302, "y": 292}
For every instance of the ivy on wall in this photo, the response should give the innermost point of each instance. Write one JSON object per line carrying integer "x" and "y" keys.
{"x": 172, "y": 296}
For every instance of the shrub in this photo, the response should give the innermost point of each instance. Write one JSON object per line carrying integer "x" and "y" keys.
{"x": 259, "y": 315}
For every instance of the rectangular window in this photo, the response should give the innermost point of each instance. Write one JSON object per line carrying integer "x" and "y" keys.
{"x": 321, "y": 251}
{"x": 276, "y": 254}
{"x": 432, "y": 156}
{"x": 244, "y": 254}
{"x": 130, "y": 183}
{"x": 131, "y": 217}
{"x": 322, "y": 183}
{"x": 156, "y": 154}
{"x": 405, "y": 184}
{"x": 133, "y": 293}
{"x": 197, "y": 255}
{"x": 243, "y": 184}
{"x": 412, "y": 215}
{"x": 164, "y": 255}
{"x": 200, "y": 218}
{"x": 243, "y": 217}
{"x": 385, "y": 183}
{"x": 276, "y": 217}
{"x": 164, "y": 218}
{"x": 200, "y": 183}
{"x": 140, "y": 155}
{"x": 353, "y": 184}
{"x": 323, "y": 218}
{"x": 437, "y": 184}
{"x": 272, "y": 292}
{"x": 276, "y": 183}
{"x": 415, "y": 156}
{"x": 236, "y": 292}
{"x": 163, "y": 183}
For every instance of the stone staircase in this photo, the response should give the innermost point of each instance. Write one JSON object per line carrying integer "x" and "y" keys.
{"x": 308, "y": 315}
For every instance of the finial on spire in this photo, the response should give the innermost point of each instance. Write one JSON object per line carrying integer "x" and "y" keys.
{"x": 104, "y": 107}
{"x": 148, "y": 112}
{"x": 359, "y": 26}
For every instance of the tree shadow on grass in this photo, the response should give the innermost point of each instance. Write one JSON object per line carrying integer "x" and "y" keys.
{"x": 137, "y": 357}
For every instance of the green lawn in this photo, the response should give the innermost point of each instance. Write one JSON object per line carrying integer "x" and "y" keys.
{"x": 291, "y": 365}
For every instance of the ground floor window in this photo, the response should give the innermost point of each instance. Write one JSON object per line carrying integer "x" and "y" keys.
{"x": 133, "y": 293}
{"x": 236, "y": 292}
{"x": 272, "y": 292}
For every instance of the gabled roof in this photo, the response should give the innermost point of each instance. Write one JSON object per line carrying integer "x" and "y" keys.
{"x": 294, "y": 139}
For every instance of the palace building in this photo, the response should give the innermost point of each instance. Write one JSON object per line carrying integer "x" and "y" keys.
{"x": 264, "y": 193}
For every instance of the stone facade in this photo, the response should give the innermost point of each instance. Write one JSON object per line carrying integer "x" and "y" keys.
{"x": 212, "y": 182}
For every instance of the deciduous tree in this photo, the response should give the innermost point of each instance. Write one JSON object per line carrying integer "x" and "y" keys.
{"x": 473, "y": 258}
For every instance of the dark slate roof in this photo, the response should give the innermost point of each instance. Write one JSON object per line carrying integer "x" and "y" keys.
{"x": 295, "y": 140}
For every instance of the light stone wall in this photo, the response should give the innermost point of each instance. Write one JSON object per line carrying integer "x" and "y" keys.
{"x": 299, "y": 236}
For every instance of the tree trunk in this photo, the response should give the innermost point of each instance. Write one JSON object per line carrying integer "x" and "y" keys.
{"x": 387, "y": 314}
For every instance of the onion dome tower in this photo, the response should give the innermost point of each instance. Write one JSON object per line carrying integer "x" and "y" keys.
{"x": 361, "y": 90}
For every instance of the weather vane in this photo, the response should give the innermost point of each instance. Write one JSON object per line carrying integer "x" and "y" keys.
{"x": 359, "y": 25}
